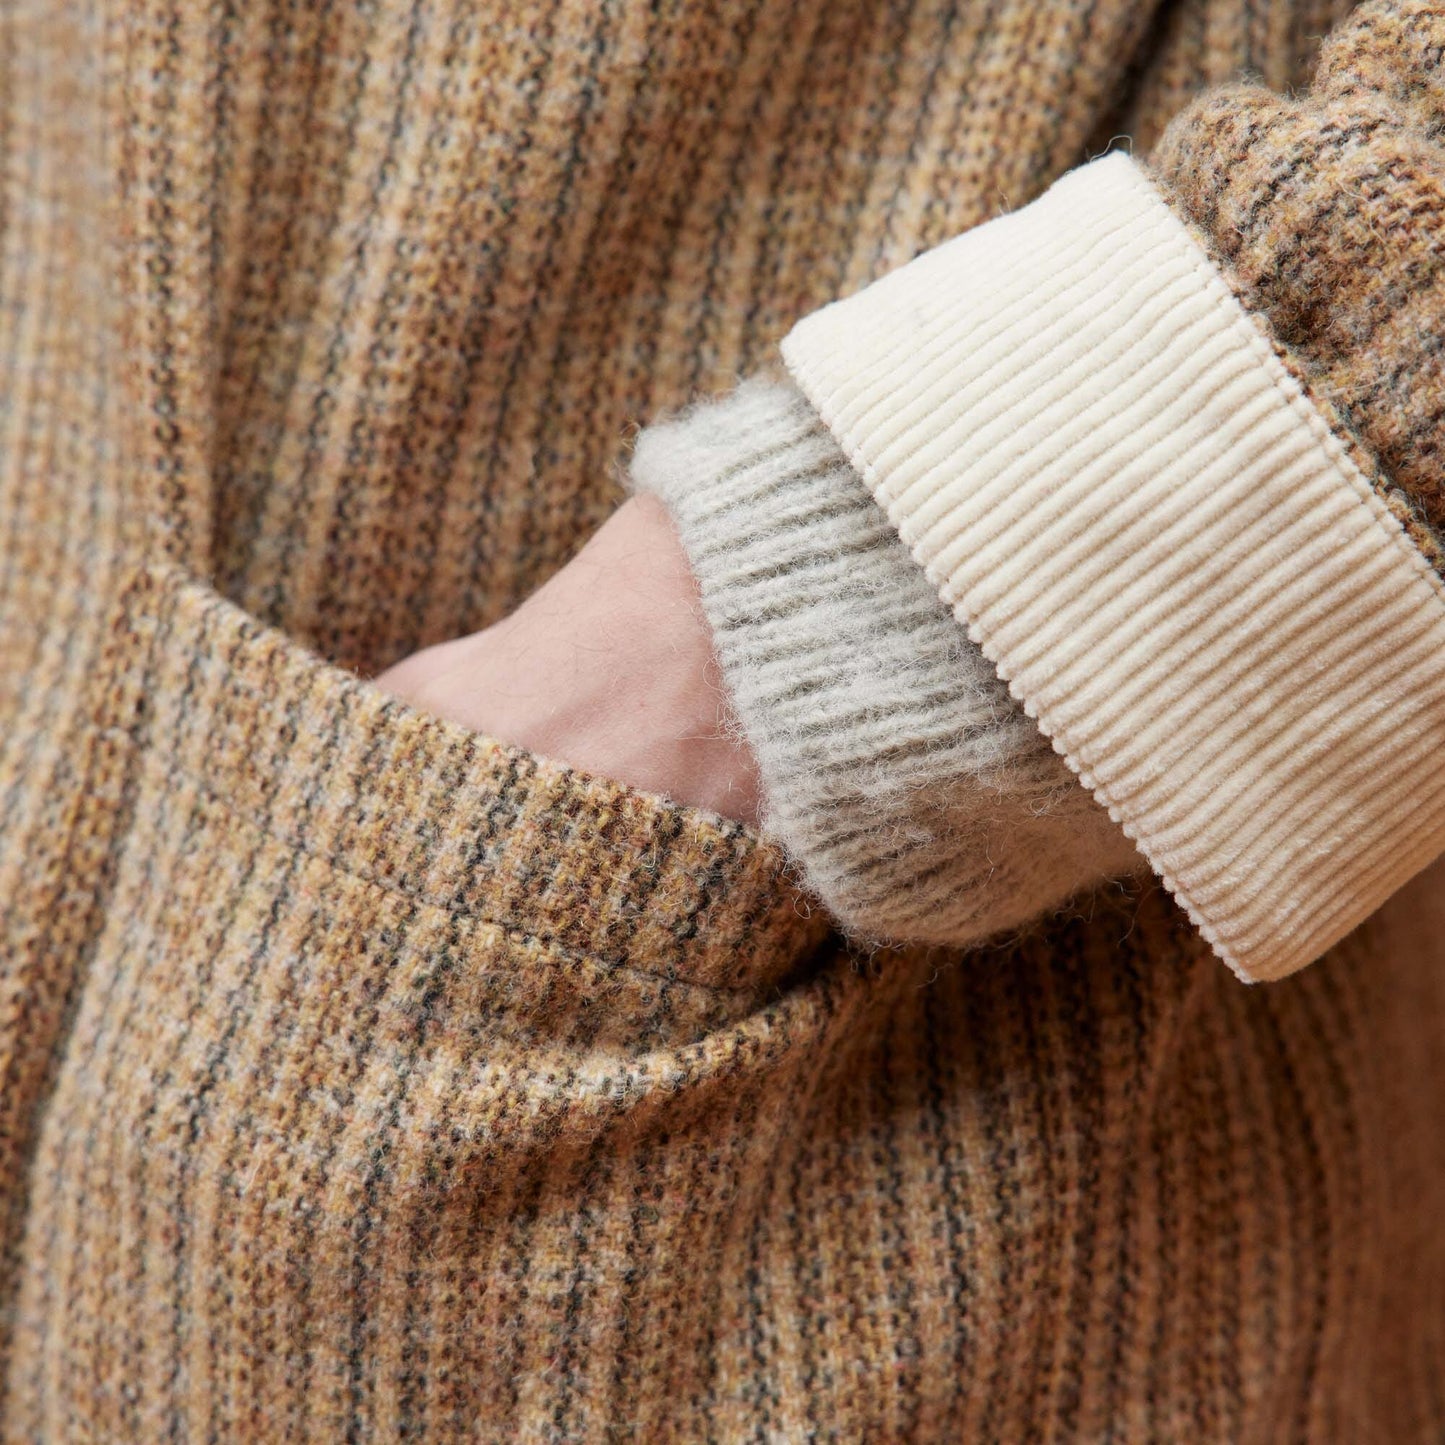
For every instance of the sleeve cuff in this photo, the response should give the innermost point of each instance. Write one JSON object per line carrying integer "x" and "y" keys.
{"x": 918, "y": 800}
{"x": 1106, "y": 472}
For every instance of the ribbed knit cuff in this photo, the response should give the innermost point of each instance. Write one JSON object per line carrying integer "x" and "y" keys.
{"x": 919, "y": 801}
{"x": 1109, "y": 476}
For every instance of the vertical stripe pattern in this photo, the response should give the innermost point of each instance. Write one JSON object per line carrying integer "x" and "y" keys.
{"x": 362, "y": 1079}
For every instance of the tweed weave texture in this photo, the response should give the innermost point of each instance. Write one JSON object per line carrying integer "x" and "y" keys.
{"x": 368, "y": 1080}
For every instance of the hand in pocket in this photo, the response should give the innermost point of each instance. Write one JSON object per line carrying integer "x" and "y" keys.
{"x": 609, "y": 667}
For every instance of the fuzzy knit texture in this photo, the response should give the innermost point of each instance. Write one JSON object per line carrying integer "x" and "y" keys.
{"x": 367, "y": 1080}
{"x": 917, "y": 798}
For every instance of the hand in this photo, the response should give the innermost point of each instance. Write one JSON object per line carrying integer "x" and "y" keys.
{"x": 609, "y": 667}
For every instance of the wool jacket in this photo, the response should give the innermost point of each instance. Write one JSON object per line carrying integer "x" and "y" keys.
{"x": 369, "y": 1079}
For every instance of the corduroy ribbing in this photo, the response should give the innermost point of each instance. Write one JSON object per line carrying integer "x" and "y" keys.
{"x": 918, "y": 799}
{"x": 1101, "y": 464}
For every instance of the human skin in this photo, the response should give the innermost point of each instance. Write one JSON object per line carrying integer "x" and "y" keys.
{"x": 608, "y": 667}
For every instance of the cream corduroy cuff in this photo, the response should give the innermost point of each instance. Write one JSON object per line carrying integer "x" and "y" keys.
{"x": 1101, "y": 464}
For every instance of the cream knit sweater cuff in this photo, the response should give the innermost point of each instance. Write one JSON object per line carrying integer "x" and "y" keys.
{"x": 917, "y": 798}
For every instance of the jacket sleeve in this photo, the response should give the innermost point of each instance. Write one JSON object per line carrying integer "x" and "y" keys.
{"x": 1165, "y": 445}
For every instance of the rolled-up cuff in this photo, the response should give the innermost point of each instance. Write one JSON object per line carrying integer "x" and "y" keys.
{"x": 1107, "y": 473}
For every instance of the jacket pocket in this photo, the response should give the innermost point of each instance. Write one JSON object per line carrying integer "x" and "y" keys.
{"x": 368, "y": 999}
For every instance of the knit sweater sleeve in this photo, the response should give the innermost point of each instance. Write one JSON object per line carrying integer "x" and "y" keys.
{"x": 912, "y": 792}
{"x": 1165, "y": 444}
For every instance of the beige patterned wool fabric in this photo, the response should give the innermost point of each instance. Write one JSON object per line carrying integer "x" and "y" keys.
{"x": 368, "y": 1080}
